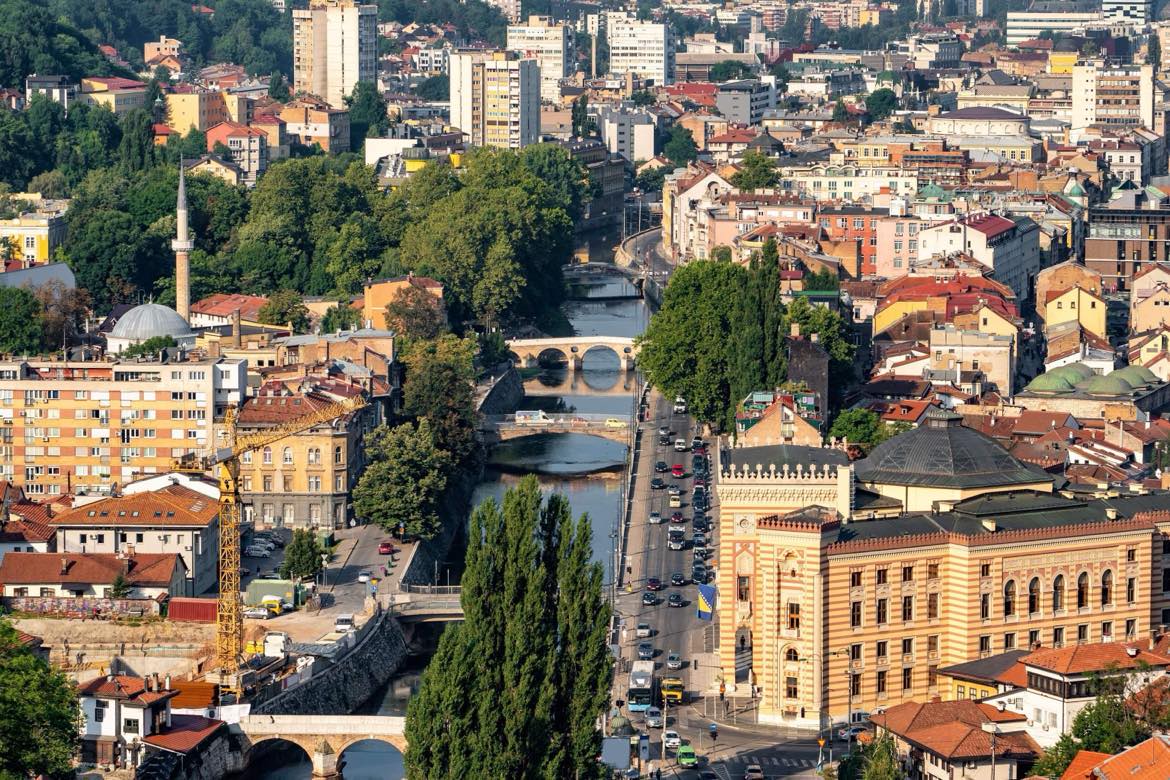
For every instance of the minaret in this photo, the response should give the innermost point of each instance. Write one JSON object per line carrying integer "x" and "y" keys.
{"x": 182, "y": 247}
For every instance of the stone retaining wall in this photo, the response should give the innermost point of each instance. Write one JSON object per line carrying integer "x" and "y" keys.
{"x": 504, "y": 395}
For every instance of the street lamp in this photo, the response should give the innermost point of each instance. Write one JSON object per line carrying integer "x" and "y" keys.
{"x": 820, "y": 702}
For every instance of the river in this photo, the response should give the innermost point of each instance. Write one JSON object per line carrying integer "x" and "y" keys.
{"x": 587, "y": 469}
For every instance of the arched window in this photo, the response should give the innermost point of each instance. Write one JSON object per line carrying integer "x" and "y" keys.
{"x": 1083, "y": 590}
{"x": 1034, "y": 596}
{"x": 337, "y": 455}
{"x": 1107, "y": 588}
{"x": 1058, "y": 593}
{"x": 1009, "y": 598}
{"x": 268, "y": 456}
{"x": 286, "y": 456}
{"x": 791, "y": 655}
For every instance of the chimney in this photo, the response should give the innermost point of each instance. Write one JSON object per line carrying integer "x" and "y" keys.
{"x": 64, "y": 565}
{"x": 814, "y": 338}
{"x": 1110, "y": 513}
{"x": 125, "y": 565}
{"x": 168, "y": 682}
{"x": 1131, "y": 652}
{"x": 236, "y": 329}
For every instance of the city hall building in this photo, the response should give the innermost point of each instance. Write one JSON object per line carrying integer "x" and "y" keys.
{"x": 847, "y": 586}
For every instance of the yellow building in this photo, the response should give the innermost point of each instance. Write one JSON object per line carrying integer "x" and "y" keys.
{"x": 841, "y": 609}
{"x": 34, "y": 235}
{"x": 377, "y": 295}
{"x": 985, "y": 319}
{"x": 1076, "y": 305}
{"x": 198, "y": 110}
{"x": 1061, "y": 62}
{"x": 117, "y": 94}
{"x": 983, "y": 676}
{"x": 302, "y": 481}
{"x": 86, "y": 426}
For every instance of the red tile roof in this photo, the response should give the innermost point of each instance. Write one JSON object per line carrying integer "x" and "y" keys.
{"x": 954, "y": 729}
{"x": 990, "y": 225}
{"x": 1083, "y": 764}
{"x": 123, "y": 686}
{"x": 279, "y": 408}
{"x": 185, "y": 733}
{"x": 143, "y": 570}
{"x": 1083, "y": 659}
{"x": 1144, "y": 761}
{"x": 223, "y": 304}
{"x": 173, "y": 505}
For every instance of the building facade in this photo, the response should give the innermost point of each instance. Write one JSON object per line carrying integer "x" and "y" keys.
{"x": 335, "y": 45}
{"x": 495, "y": 98}
{"x": 643, "y": 48}
{"x": 551, "y": 45}
{"x": 1112, "y": 95}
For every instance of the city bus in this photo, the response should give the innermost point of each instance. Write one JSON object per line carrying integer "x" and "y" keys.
{"x": 640, "y": 695}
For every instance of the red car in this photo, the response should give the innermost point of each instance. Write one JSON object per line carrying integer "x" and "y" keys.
{"x": 677, "y": 517}
{"x": 386, "y": 548}
{"x": 677, "y": 470}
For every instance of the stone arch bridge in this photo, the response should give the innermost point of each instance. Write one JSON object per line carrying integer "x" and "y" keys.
{"x": 573, "y": 348}
{"x": 324, "y": 738}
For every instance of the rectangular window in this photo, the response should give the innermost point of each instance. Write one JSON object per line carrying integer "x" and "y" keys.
{"x": 1083, "y": 632}
{"x": 907, "y": 608}
{"x": 881, "y": 681}
{"x": 881, "y": 649}
{"x": 882, "y": 617}
{"x": 961, "y": 691}
{"x": 907, "y": 574}
{"x": 99, "y": 710}
{"x": 1106, "y": 630}
{"x": 1131, "y": 555}
{"x": 932, "y": 676}
{"x": 1009, "y": 641}
{"x": 855, "y": 579}
{"x": 932, "y": 571}
{"x": 932, "y": 606}
{"x": 130, "y": 725}
{"x": 985, "y": 643}
{"x": 985, "y": 606}
{"x": 855, "y": 652}
{"x": 985, "y": 570}
{"x": 932, "y": 645}
{"x": 790, "y": 687}
{"x": 907, "y": 678}
{"x": 855, "y": 685}
{"x": 794, "y": 615}
{"x": 1130, "y": 629}
{"x": 1033, "y": 639}
{"x": 1131, "y": 590}
{"x": 1165, "y": 580}
{"x": 855, "y": 614}
{"x": 1058, "y": 637}
{"x": 742, "y": 588}
{"x": 881, "y": 576}
{"x": 908, "y": 646}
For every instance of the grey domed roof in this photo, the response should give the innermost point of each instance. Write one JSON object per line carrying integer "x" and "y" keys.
{"x": 150, "y": 320}
{"x": 943, "y": 453}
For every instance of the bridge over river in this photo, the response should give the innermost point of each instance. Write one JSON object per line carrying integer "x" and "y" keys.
{"x": 503, "y": 427}
{"x": 324, "y": 737}
{"x": 572, "y": 349}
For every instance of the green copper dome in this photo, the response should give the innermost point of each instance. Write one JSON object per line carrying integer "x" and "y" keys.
{"x": 1074, "y": 372}
{"x": 1138, "y": 376}
{"x": 1051, "y": 382}
{"x": 1110, "y": 384}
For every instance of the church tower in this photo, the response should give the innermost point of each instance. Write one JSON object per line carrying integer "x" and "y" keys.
{"x": 182, "y": 248}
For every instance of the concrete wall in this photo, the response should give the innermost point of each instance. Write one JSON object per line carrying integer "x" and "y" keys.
{"x": 346, "y": 685}
{"x": 504, "y": 396}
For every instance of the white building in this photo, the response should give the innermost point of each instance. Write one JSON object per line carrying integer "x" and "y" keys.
{"x": 509, "y": 8}
{"x": 1009, "y": 247}
{"x": 433, "y": 62}
{"x": 335, "y": 45}
{"x": 495, "y": 98}
{"x": 628, "y": 133}
{"x": 1056, "y": 16}
{"x": 643, "y": 48}
{"x": 1113, "y": 95}
{"x": 119, "y": 714}
{"x": 1131, "y": 13}
{"x": 550, "y": 44}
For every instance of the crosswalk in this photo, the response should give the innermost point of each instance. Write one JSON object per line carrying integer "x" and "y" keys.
{"x": 763, "y": 761}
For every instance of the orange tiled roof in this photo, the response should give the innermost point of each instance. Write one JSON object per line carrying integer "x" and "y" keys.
{"x": 954, "y": 729}
{"x": 145, "y": 569}
{"x": 279, "y": 408}
{"x": 185, "y": 733}
{"x": 1081, "y": 659}
{"x": 176, "y": 505}
{"x": 223, "y": 304}
{"x": 193, "y": 694}
{"x": 1083, "y": 764}
{"x": 122, "y": 686}
{"x": 1144, "y": 761}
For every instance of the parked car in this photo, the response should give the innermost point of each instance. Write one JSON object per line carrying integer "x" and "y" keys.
{"x": 657, "y": 484}
{"x": 257, "y": 613}
{"x": 364, "y": 576}
{"x": 674, "y": 489}
{"x": 699, "y": 574}
{"x": 671, "y": 740}
{"x": 664, "y": 441}
{"x": 654, "y": 718}
{"x": 655, "y": 517}
{"x": 680, "y": 445}
{"x": 753, "y": 772}
{"x": 680, "y": 405}
{"x": 343, "y": 624}
{"x": 257, "y": 552}
{"x": 645, "y": 651}
{"x": 664, "y": 431}
{"x": 642, "y": 631}
{"x": 851, "y": 732}
{"x": 686, "y": 756}
{"x": 677, "y": 517}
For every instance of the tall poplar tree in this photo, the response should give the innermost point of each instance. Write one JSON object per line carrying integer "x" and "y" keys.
{"x": 515, "y": 689}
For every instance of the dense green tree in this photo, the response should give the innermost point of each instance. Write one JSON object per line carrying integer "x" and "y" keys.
{"x": 1057, "y": 758}
{"x": 1154, "y": 52}
{"x": 880, "y": 103}
{"x": 18, "y": 157}
{"x": 36, "y": 40}
{"x": 1108, "y": 725}
{"x": 340, "y": 316}
{"x": 840, "y": 113}
{"x": 20, "y": 321}
{"x": 824, "y": 280}
{"x": 652, "y": 179}
{"x": 564, "y": 174}
{"x": 415, "y": 313}
{"x": 278, "y": 87}
{"x": 40, "y": 721}
{"x": 680, "y": 147}
{"x": 108, "y": 254}
{"x": 643, "y": 98}
{"x": 857, "y": 426}
{"x": 367, "y": 113}
{"x": 434, "y": 88}
{"x": 766, "y": 278}
{"x": 119, "y": 588}
{"x": 532, "y": 603}
{"x": 472, "y": 19}
{"x": 136, "y": 151}
{"x": 405, "y": 479}
{"x": 757, "y": 171}
{"x": 302, "y": 557}
{"x": 579, "y": 116}
{"x": 285, "y": 307}
{"x": 729, "y": 70}
{"x": 881, "y": 760}
{"x": 152, "y": 346}
{"x": 832, "y": 331}
{"x": 439, "y": 387}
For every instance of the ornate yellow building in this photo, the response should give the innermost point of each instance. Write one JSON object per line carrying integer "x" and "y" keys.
{"x": 841, "y": 602}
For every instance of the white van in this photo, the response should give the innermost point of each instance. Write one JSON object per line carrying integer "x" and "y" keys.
{"x": 343, "y": 624}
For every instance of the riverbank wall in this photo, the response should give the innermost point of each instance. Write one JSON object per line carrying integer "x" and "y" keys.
{"x": 503, "y": 394}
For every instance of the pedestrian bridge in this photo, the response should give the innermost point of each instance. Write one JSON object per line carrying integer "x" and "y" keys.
{"x": 324, "y": 738}
{"x": 503, "y": 427}
{"x": 427, "y": 604}
{"x": 572, "y": 350}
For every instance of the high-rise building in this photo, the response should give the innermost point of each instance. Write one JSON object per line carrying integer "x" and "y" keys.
{"x": 550, "y": 45}
{"x": 643, "y": 48}
{"x": 335, "y": 45}
{"x": 495, "y": 98}
{"x": 1112, "y": 94}
{"x": 1127, "y": 12}
{"x": 509, "y": 8}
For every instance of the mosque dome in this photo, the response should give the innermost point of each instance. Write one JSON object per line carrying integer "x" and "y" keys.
{"x": 1108, "y": 384}
{"x": 1050, "y": 382}
{"x": 148, "y": 321}
{"x": 1138, "y": 376}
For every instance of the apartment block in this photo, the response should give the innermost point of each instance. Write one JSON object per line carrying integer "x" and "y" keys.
{"x": 643, "y": 48}
{"x": 495, "y": 98}
{"x": 1009, "y": 247}
{"x": 85, "y": 426}
{"x": 248, "y": 145}
{"x": 197, "y": 109}
{"x": 744, "y": 102}
{"x": 309, "y": 122}
{"x": 56, "y": 88}
{"x": 335, "y": 45}
{"x": 550, "y": 44}
{"x": 1127, "y": 235}
{"x": 1110, "y": 94}
{"x": 628, "y": 133}
{"x": 35, "y": 234}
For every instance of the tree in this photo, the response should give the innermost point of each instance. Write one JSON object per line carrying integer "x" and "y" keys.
{"x": 342, "y": 316}
{"x": 532, "y": 604}
{"x": 367, "y": 113}
{"x": 1108, "y": 725}
{"x": 119, "y": 588}
{"x": 136, "y": 151}
{"x": 563, "y": 173}
{"x": 302, "y": 557}
{"x": 1057, "y": 758}
{"x": 756, "y": 171}
{"x": 880, "y": 103}
{"x": 840, "y": 113}
{"x": 152, "y": 346}
{"x": 285, "y": 307}
{"x": 728, "y": 70}
{"x": 579, "y": 115}
{"x": 680, "y": 147}
{"x": 405, "y": 479}
{"x": 1154, "y": 52}
{"x": 20, "y": 321}
{"x": 439, "y": 386}
{"x": 434, "y": 88}
{"x": 643, "y": 98}
{"x": 881, "y": 760}
{"x": 416, "y": 313}
{"x": 652, "y": 179}
{"x": 278, "y": 87}
{"x": 39, "y": 717}
{"x": 824, "y": 280}
{"x": 857, "y": 426}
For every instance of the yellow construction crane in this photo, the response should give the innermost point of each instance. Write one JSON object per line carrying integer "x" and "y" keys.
{"x": 229, "y": 623}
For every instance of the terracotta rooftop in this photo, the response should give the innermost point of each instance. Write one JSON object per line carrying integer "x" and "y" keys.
{"x": 185, "y": 733}
{"x": 1083, "y": 659}
{"x": 223, "y": 304}
{"x": 144, "y": 570}
{"x": 1144, "y": 761}
{"x": 123, "y": 686}
{"x": 279, "y": 408}
{"x": 174, "y": 505}
{"x": 954, "y": 729}
{"x": 1083, "y": 764}
{"x": 193, "y": 694}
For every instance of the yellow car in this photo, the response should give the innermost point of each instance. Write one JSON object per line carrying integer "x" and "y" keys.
{"x": 615, "y": 422}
